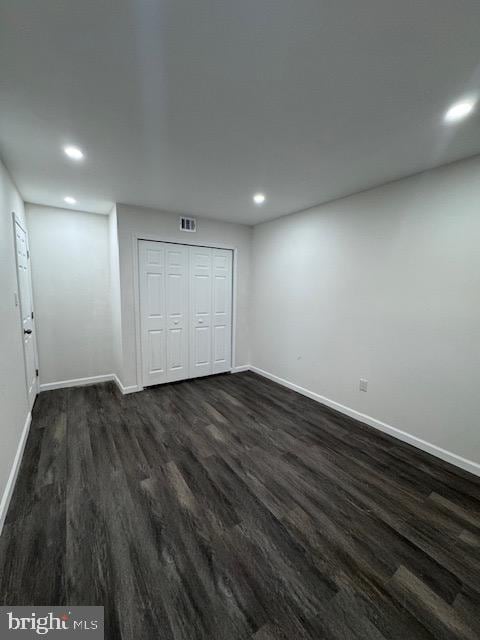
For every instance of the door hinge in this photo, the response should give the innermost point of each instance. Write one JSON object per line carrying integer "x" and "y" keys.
{"x": 32, "y": 315}
{"x": 36, "y": 372}
{"x": 28, "y": 254}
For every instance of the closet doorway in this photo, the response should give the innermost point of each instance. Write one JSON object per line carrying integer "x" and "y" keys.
{"x": 185, "y": 311}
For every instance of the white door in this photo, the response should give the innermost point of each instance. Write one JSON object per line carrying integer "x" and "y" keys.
{"x": 185, "y": 311}
{"x": 163, "y": 311}
{"x": 222, "y": 310}
{"x": 200, "y": 312}
{"x": 176, "y": 258}
{"x": 210, "y": 311}
{"x": 152, "y": 311}
{"x": 26, "y": 310}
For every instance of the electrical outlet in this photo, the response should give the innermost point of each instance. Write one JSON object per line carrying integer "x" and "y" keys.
{"x": 363, "y": 384}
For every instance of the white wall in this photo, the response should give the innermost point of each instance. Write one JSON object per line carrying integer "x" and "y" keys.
{"x": 71, "y": 289}
{"x": 384, "y": 285}
{"x": 154, "y": 224}
{"x": 13, "y": 394}
{"x": 115, "y": 295}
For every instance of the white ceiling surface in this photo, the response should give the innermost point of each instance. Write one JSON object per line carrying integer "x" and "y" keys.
{"x": 193, "y": 106}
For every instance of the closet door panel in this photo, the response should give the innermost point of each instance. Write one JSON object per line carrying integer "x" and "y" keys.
{"x": 177, "y": 311}
{"x": 152, "y": 312}
{"x": 222, "y": 310}
{"x": 200, "y": 311}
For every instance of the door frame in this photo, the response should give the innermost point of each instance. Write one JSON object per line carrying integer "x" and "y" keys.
{"x": 18, "y": 302}
{"x": 136, "y": 237}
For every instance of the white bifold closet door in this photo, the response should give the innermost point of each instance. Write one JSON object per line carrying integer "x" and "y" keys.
{"x": 164, "y": 311}
{"x": 186, "y": 311}
{"x": 211, "y": 310}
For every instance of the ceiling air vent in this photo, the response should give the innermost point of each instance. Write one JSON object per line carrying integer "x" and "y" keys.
{"x": 188, "y": 224}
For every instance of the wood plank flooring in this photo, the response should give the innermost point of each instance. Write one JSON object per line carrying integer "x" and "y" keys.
{"x": 229, "y": 508}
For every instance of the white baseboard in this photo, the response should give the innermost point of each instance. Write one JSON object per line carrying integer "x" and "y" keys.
{"x": 131, "y": 389}
{"x": 241, "y": 368}
{"x": 80, "y": 382}
{"x": 7, "y": 494}
{"x": 76, "y": 382}
{"x": 448, "y": 456}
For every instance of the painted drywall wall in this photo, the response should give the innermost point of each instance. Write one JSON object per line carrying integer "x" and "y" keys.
{"x": 153, "y": 224}
{"x": 71, "y": 290}
{"x": 115, "y": 295}
{"x": 383, "y": 285}
{"x": 13, "y": 394}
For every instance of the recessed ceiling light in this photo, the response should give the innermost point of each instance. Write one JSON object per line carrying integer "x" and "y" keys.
{"x": 70, "y": 200}
{"x": 259, "y": 198}
{"x": 73, "y": 152}
{"x": 460, "y": 110}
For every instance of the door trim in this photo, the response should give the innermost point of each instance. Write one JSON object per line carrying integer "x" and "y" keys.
{"x": 16, "y": 220}
{"x": 136, "y": 237}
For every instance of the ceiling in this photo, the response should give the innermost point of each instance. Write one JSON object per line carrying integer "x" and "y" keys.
{"x": 193, "y": 106}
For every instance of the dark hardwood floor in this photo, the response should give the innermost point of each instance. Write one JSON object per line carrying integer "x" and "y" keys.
{"x": 231, "y": 508}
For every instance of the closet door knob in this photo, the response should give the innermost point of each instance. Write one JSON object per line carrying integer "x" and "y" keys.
{"x": 28, "y": 331}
